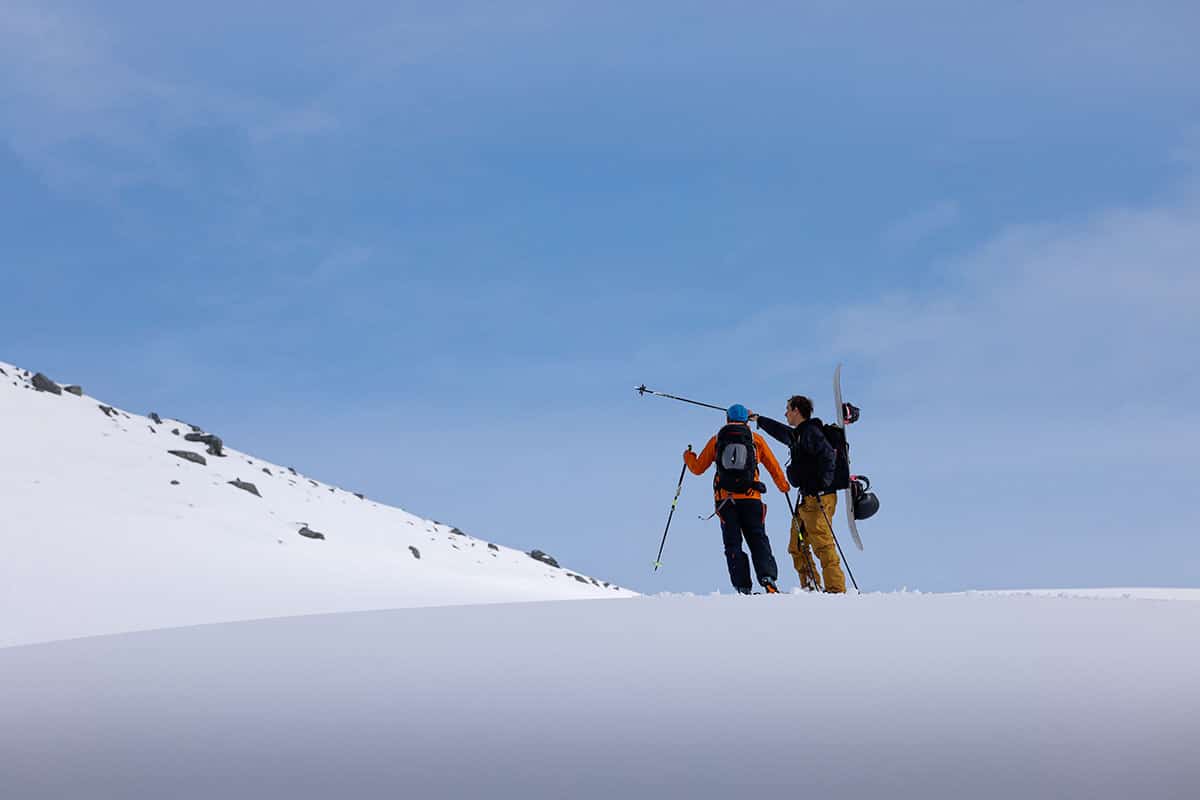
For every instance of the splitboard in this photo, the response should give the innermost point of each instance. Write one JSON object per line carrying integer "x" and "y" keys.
{"x": 847, "y": 500}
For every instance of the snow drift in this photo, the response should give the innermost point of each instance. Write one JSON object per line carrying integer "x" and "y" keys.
{"x": 874, "y": 696}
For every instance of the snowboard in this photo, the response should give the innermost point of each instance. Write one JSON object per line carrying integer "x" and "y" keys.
{"x": 847, "y": 499}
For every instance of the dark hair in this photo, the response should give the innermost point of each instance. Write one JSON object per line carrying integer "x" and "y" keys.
{"x": 799, "y": 402}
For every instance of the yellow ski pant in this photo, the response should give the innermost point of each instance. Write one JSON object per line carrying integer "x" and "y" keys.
{"x": 811, "y": 529}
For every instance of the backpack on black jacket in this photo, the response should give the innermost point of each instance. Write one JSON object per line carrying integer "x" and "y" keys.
{"x": 737, "y": 459}
{"x": 841, "y": 467}
{"x": 803, "y": 469}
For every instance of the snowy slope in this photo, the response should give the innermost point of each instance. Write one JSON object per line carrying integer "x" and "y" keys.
{"x": 104, "y": 531}
{"x": 875, "y": 696}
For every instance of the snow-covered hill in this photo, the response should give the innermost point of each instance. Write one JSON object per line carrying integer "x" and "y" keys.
{"x": 877, "y": 696}
{"x": 106, "y": 530}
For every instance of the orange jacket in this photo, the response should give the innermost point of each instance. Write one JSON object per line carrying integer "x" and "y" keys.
{"x": 698, "y": 464}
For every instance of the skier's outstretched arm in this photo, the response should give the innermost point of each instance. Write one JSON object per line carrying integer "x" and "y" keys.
{"x": 779, "y": 431}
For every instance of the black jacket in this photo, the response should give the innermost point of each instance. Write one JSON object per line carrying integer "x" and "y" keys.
{"x": 812, "y": 458}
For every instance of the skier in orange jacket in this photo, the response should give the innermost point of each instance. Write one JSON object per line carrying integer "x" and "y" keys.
{"x": 737, "y": 451}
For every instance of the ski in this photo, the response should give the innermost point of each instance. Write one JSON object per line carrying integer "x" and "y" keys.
{"x": 847, "y": 499}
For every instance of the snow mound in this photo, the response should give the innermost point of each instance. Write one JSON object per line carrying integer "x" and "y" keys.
{"x": 114, "y": 521}
{"x": 903, "y": 695}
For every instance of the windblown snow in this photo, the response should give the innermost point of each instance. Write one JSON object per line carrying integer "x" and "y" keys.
{"x": 106, "y": 529}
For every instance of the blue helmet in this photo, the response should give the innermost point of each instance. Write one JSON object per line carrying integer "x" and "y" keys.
{"x": 737, "y": 413}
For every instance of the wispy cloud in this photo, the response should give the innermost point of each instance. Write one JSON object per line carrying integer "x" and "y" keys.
{"x": 922, "y": 224}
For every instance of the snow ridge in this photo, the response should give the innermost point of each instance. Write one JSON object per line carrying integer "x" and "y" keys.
{"x": 115, "y": 522}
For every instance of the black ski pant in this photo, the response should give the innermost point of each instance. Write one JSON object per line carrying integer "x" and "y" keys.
{"x": 746, "y": 519}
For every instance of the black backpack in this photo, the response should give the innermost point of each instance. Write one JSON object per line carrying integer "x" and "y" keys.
{"x": 836, "y": 436}
{"x": 737, "y": 459}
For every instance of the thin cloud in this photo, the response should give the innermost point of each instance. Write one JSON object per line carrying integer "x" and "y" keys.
{"x": 922, "y": 224}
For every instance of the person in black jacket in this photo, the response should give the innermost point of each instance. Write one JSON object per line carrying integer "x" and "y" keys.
{"x": 811, "y": 470}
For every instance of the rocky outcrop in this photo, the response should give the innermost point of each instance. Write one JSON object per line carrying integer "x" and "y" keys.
{"x": 44, "y": 384}
{"x": 538, "y": 555}
{"x": 309, "y": 533}
{"x": 416, "y": 553}
{"x": 109, "y": 411}
{"x": 157, "y": 419}
{"x": 211, "y": 441}
{"x": 188, "y": 455}
{"x": 493, "y": 547}
{"x": 75, "y": 390}
{"x": 247, "y": 487}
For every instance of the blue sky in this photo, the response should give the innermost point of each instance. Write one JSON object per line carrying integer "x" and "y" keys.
{"x": 427, "y": 254}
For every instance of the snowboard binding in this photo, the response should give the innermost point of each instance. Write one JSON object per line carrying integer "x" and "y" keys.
{"x": 850, "y": 413}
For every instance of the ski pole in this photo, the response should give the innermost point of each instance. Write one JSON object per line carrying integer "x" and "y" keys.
{"x": 839, "y": 545}
{"x": 642, "y": 390}
{"x": 678, "y": 489}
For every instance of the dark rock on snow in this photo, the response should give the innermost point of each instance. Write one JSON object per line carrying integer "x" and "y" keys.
{"x": 457, "y": 532}
{"x": 246, "y": 487}
{"x": 157, "y": 419}
{"x": 75, "y": 390}
{"x": 188, "y": 455}
{"x": 310, "y": 533}
{"x": 212, "y": 441}
{"x": 538, "y": 555}
{"x": 580, "y": 578}
{"x": 174, "y": 483}
{"x": 267, "y": 471}
{"x": 44, "y": 384}
{"x": 416, "y": 553}
{"x": 493, "y": 547}
{"x": 109, "y": 411}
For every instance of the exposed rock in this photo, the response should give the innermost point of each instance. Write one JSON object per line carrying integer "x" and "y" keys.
{"x": 579, "y": 578}
{"x": 151, "y": 427}
{"x": 310, "y": 533}
{"x": 314, "y": 483}
{"x": 174, "y": 483}
{"x": 457, "y": 532}
{"x": 538, "y": 555}
{"x": 44, "y": 384}
{"x": 493, "y": 547}
{"x": 2, "y": 372}
{"x": 188, "y": 455}
{"x": 359, "y": 495}
{"x": 293, "y": 470}
{"x": 247, "y": 487}
{"x": 109, "y": 411}
{"x": 416, "y": 553}
{"x": 157, "y": 419}
{"x": 267, "y": 471}
{"x": 75, "y": 390}
{"x": 212, "y": 441}
{"x": 175, "y": 431}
